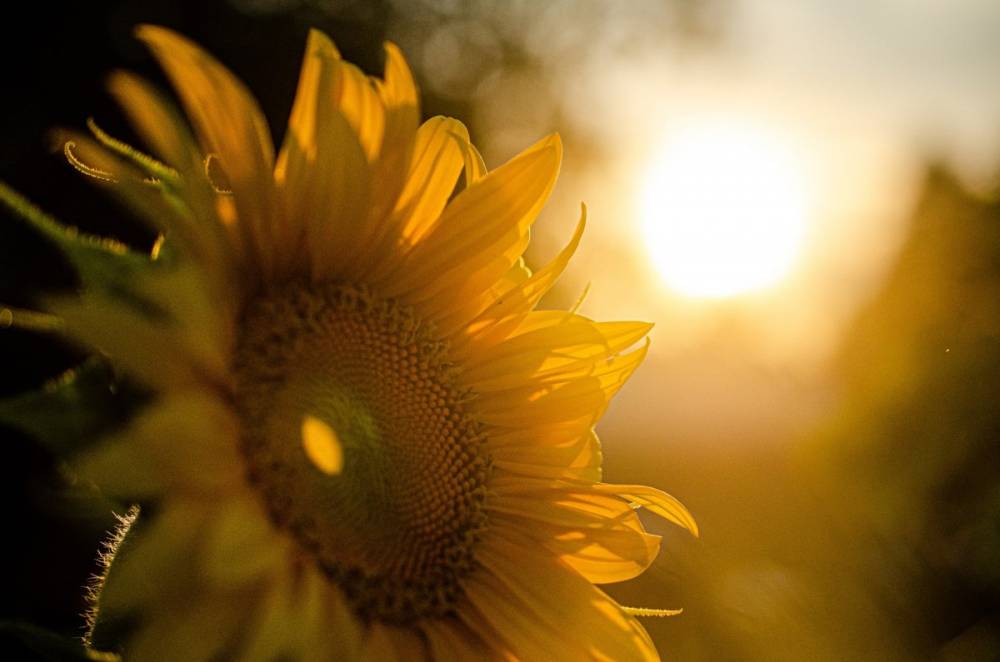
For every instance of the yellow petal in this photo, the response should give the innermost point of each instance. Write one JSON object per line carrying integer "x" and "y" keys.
{"x": 453, "y": 640}
{"x": 588, "y": 382}
{"x": 194, "y": 631}
{"x": 240, "y": 545}
{"x": 570, "y": 347}
{"x": 386, "y": 643}
{"x": 402, "y": 115}
{"x": 303, "y": 618}
{"x": 560, "y": 396}
{"x": 298, "y": 151}
{"x": 429, "y": 182}
{"x": 155, "y": 119}
{"x": 323, "y": 175}
{"x": 598, "y": 535}
{"x": 608, "y": 555}
{"x": 581, "y": 398}
{"x": 481, "y": 224}
{"x": 508, "y": 307}
{"x": 185, "y": 441}
{"x": 577, "y": 459}
{"x": 475, "y": 167}
{"x": 156, "y": 353}
{"x": 398, "y": 91}
{"x": 556, "y": 434}
{"x": 578, "y": 471}
{"x": 655, "y": 501}
{"x": 540, "y": 606}
{"x": 362, "y": 106}
{"x": 431, "y": 178}
{"x": 230, "y": 126}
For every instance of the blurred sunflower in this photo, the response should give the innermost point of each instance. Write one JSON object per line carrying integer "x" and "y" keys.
{"x": 365, "y": 442}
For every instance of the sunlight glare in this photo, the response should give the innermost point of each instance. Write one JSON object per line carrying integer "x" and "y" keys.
{"x": 723, "y": 211}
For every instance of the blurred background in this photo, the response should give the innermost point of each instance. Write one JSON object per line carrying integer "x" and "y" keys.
{"x": 801, "y": 194}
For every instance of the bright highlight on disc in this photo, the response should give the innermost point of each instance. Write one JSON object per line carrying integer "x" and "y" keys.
{"x": 322, "y": 446}
{"x": 723, "y": 211}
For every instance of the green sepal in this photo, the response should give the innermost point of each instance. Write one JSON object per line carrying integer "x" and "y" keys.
{"x": 157, "y": 171}
{"x": 101, "y": 263}
{"x": 24, "y": 641}
{"x": 73, "y": 410}
{"x": 106, "y": 630}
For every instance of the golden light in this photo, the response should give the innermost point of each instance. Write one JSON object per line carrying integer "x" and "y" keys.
{"x": 724, "y": 210}
{"x": 322, "y": 446}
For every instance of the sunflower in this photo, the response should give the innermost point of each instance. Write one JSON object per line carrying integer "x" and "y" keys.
{"x": 365, "y": 442}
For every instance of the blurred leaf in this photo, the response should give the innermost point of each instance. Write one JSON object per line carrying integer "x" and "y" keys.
{"x": 73, "y": 409}
{"x": 915, "y": 444}
{"x": 99, "y": 262}
{"x": 23, "y": 641}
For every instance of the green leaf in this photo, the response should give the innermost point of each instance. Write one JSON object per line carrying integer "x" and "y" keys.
{"x": 74, "y": 409}
{"x": 23, "y": 641}
{"x": 101, "y": 263}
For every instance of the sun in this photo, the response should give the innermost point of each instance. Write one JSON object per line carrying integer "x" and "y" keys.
{"x": 724, "y": 209}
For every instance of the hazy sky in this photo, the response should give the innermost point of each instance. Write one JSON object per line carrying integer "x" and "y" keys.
{"x": 927, "y": 68}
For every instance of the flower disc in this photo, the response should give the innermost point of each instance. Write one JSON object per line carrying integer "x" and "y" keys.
{"x": 396, "y": 529}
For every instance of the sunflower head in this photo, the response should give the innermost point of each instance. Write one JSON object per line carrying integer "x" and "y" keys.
{"x": 396, "y": 527}
{"x": 366, "y": 442}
